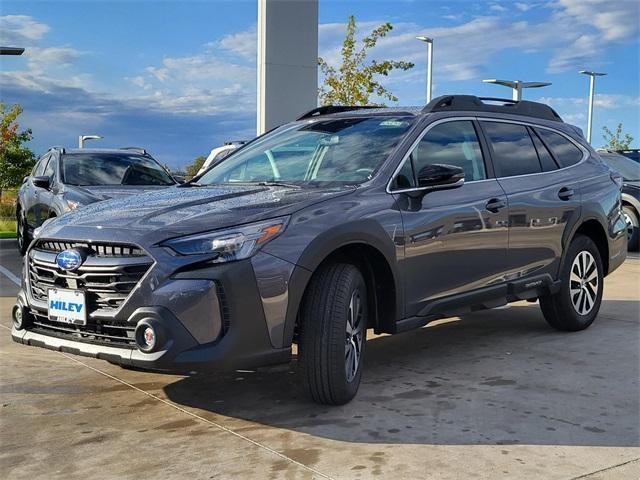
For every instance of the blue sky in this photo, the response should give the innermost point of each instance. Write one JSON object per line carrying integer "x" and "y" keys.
{"x": 179, "y": 77}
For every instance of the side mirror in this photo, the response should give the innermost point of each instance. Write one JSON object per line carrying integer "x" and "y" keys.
{"x": 42, "y": 181}
{"x": 439, "y": 176}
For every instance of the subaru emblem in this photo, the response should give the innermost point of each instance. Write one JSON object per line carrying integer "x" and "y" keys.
{"x": 70, "y": 260}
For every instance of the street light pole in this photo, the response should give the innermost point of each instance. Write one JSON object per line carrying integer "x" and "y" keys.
{"x": 517, "y": 86}
{"x": 592, "y": 91}
{"x": 429, "y": 42}
{"x": 11, "y": 51}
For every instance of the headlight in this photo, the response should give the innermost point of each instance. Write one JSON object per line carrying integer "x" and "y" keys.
{"x": 234, "y": 243}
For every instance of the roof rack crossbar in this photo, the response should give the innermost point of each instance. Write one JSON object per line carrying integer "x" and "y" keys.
{"x": 329, "y": 109}
{"x": 477, "y": 104}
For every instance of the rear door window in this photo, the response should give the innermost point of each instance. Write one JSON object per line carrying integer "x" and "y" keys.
{"x": 513, "y": 150}
{"x": 564, "y": 151}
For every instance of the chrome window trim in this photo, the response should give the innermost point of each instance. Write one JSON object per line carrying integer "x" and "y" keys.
{"x": 585, "y": 152}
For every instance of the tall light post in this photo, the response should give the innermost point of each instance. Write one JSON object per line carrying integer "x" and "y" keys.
{"x": 84, "y": 138}
{"x": 11, "y": 51}
{"x": 592, "y": 91}
{"x": 429, "y": 42}
{"x": 517, "y": 86}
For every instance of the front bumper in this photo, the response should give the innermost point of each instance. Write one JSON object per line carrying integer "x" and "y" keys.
{"x": 211, "y": 318}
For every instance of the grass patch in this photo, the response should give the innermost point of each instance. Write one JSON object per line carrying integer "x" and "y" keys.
{"x": 7, "y": 228}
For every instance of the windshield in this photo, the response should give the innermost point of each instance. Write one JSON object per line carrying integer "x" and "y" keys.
{"x": 112, "y": 169}
{"x": 343, "y": 151}
{"x": 626, "y": 167}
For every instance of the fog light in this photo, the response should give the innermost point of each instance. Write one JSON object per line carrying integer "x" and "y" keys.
{"x": 19, "y": 316}
{"x": 149, "y": 336}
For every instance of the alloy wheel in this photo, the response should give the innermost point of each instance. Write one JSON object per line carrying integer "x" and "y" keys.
{"x": 583, "y": 283}
{"x": 630, "y": 226}
{"x": 354, "y": 336}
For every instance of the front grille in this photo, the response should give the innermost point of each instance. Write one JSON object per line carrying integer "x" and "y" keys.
{"x": 97, "y": 249}
{"x": 107, "y": 277}
{"x": 102, "y": 332}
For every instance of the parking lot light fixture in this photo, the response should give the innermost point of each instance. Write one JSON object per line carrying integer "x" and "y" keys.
{"x": 11, "y": 51}
{"x": 429, "y": 42}
{"x": 592, "y": 89}
{"x": 517, "y": 86}
{"x": 84, "y": 138}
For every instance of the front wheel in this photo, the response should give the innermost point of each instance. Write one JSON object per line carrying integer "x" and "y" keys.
{"x": 333, "y": 333}
{"x": 575, "y": 306}
{"x": 22, "y": 233}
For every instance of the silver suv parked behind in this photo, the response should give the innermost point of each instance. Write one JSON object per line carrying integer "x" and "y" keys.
{"x": 345, "y": 220}
{"x": 65, "y": 179}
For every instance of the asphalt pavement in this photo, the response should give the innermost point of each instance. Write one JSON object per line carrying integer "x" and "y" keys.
{"x": 496, "y": 394}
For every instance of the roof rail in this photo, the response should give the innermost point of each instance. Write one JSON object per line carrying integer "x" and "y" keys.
{"x": 472, "y": 103}
{"x": 58, "y": 147}
{"x": 139, "y": 150}
{"x": 329, "y": 109}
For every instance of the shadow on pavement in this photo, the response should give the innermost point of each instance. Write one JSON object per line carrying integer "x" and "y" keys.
{"x": 495, "y": 377}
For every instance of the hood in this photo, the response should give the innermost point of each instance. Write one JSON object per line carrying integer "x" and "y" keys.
{"x": 184, "y": 210}
{"x": 99, "y": 193}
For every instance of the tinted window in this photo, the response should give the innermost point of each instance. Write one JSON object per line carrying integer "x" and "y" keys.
{"x": 450, "y": 143}
{"x": 513, "y": 150}
{"x": 344, "y": 150}
{"x": 547, "y": 161}
{"x": 112, "y": 169}
{"x": 565, "y": 152}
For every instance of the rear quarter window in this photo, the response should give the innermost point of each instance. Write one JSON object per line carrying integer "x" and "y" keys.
{"x": 564, "y": 151}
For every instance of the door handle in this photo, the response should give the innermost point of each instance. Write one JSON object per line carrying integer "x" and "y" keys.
{"x": 495, "y": 205}
{"x": 565, "y": 193}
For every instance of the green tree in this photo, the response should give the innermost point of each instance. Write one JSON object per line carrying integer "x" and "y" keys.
{"x": 16, "y": 160}
{"x": 354, "y": 82}
{"x": 196, "y": 165}
{"x": 616, "y": 140}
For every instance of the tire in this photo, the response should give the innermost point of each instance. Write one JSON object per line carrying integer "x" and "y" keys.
{"x": 575, "y": 306}
{"x": 22, "y": 233}
{"x": 333, "y": 333}
{"x": 633, "y": 228}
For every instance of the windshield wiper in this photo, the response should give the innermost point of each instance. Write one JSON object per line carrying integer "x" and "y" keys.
{"x": 277, "y": 184}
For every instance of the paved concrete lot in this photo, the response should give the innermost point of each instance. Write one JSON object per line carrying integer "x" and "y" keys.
{"x": 496, "y": 394}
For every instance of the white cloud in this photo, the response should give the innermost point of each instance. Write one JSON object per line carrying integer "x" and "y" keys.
{"x": 601, "y": 100}
{"x": 616, "y": 20}
{"x": 242, "y": 44}
{"x": 39, "y": 58}
{"x": 496, "y": 7}
{"x": 20, "y": 30}
{"x": 524, "y": 7}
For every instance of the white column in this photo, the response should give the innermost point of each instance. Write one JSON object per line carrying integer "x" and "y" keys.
{"x": 287, "y": 60}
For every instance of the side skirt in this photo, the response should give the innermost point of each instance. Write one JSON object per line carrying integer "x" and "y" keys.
{"x": 489, "y": 297}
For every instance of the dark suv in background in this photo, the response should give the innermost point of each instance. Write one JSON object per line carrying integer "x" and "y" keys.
{"x": 344, "y": 220}
{"x": 65, "y": 179}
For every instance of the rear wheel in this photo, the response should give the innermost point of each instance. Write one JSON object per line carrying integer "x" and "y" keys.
{"x": 22, "y": 233}
{"x": 633, "y": 228}
{"x": 333, "y": 331}
{"x": 575, "y": 306}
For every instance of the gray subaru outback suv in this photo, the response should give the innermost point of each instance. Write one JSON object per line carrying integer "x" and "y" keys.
{"x": 344, "y": 220}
